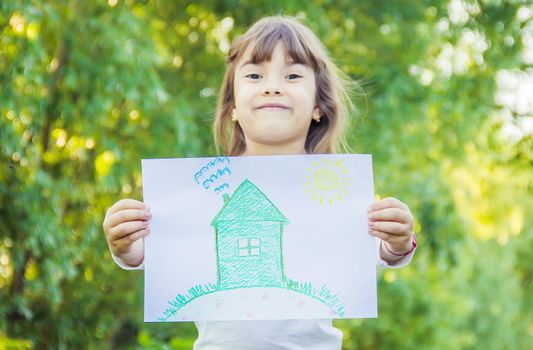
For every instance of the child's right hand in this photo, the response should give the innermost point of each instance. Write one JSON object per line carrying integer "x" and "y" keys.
{"x": 124, "y": 224}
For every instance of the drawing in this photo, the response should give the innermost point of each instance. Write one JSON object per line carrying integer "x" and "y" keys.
{"x": 327, "y": 181}
{"x": 249, "y": 231}
{"x": 219, "y": 173}
{"x": 216, "y": 169}
{"x": 211, "y": 164}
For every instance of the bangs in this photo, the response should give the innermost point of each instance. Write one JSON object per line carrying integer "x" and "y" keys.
{"x": 263, "y": 42}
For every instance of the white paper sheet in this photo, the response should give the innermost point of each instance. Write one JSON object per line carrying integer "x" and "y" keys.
{"x": 270, "y": 237}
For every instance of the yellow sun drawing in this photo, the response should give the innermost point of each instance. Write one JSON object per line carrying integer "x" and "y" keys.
{"x": 327, "y": 181}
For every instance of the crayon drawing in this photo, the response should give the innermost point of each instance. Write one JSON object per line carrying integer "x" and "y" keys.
{"x": 249, "y": 231}
{"x": 327, "y": 181}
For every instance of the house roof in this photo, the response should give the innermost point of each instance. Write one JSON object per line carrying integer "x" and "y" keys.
{"x": 248, "y": 203}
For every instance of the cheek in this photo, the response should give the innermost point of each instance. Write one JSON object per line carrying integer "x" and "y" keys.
{"x": 309, "y": 94}
{"x": 236, "y": 92}
{"x": 308, "y": 101}
{"x": 242, "y": 96}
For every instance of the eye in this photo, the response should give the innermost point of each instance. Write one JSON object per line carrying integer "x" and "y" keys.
{"x": 293, "y": 76}
{"x": 253, "y": 76}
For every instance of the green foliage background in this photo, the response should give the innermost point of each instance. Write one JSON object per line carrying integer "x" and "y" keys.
{"x": 88, "y": 88}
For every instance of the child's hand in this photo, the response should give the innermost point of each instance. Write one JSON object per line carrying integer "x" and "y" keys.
{"x": 124, "y": 224}
{"x": 391, "y": 220}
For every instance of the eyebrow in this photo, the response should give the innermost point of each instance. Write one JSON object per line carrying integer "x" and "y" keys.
{"x": 290, "y": 63}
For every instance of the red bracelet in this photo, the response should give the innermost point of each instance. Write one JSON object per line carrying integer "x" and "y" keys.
{"x": 413, "y": 246}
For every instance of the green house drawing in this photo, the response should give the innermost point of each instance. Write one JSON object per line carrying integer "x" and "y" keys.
{"x": 249, "y": 232}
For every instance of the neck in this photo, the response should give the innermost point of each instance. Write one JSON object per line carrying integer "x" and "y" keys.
{"x": 254, "y": 149}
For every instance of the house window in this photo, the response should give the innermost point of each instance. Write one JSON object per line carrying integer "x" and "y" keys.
{"x": 249, "y": 246}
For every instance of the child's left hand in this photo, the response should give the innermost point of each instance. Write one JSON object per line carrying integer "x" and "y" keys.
{"x": 391, "y": 220}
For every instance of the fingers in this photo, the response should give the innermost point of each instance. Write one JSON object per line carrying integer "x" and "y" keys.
{"x": 127, "y": 229}
{"x": 127, "y": 215}
{"x": 125, "y": 223}
{"x": 125, "y": 204}
{"x": 390, "y": 214}
{"x": 390, "y": 220}
{"x": 387, "y": 203}
{"x": 382, "y": 235}
{"x": 390, "y": 227}
{"x": 124, "y": 244}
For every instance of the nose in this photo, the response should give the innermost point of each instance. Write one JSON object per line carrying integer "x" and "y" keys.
{"x": 272, "y": 91}
{"x": 272, "y": 87}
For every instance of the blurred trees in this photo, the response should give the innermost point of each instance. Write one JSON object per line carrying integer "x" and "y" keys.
{"x": 87, "y": 89}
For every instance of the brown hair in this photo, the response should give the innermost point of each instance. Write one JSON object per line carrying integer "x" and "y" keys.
{"x": 332, "y": 86}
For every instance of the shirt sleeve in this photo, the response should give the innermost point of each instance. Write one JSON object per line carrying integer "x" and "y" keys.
{"x": 391, "y": 259}
{"x": 123, "y": 265}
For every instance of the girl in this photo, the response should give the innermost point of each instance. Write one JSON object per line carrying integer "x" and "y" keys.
{"x": 281, "y": 94}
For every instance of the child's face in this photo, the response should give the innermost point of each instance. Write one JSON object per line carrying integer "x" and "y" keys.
{"x": 274, "y": 103}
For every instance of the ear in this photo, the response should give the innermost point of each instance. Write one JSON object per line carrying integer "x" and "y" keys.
{"x": 316, "y": 114}
{"x": 234, "y": 114}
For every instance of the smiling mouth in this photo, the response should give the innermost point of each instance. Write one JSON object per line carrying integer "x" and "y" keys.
{"x": 272, "y": 108}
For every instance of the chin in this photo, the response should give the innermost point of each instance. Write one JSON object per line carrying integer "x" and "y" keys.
{"x": 273, "y": 132}
{"x": 275, "y": 140}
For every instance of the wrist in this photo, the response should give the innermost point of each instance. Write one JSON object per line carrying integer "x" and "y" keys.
{"x": 404, "y": 252}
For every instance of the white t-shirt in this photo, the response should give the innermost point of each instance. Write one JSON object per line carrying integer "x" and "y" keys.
{"x": 268, "y": 334}
{"x": 275, "y": 334}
